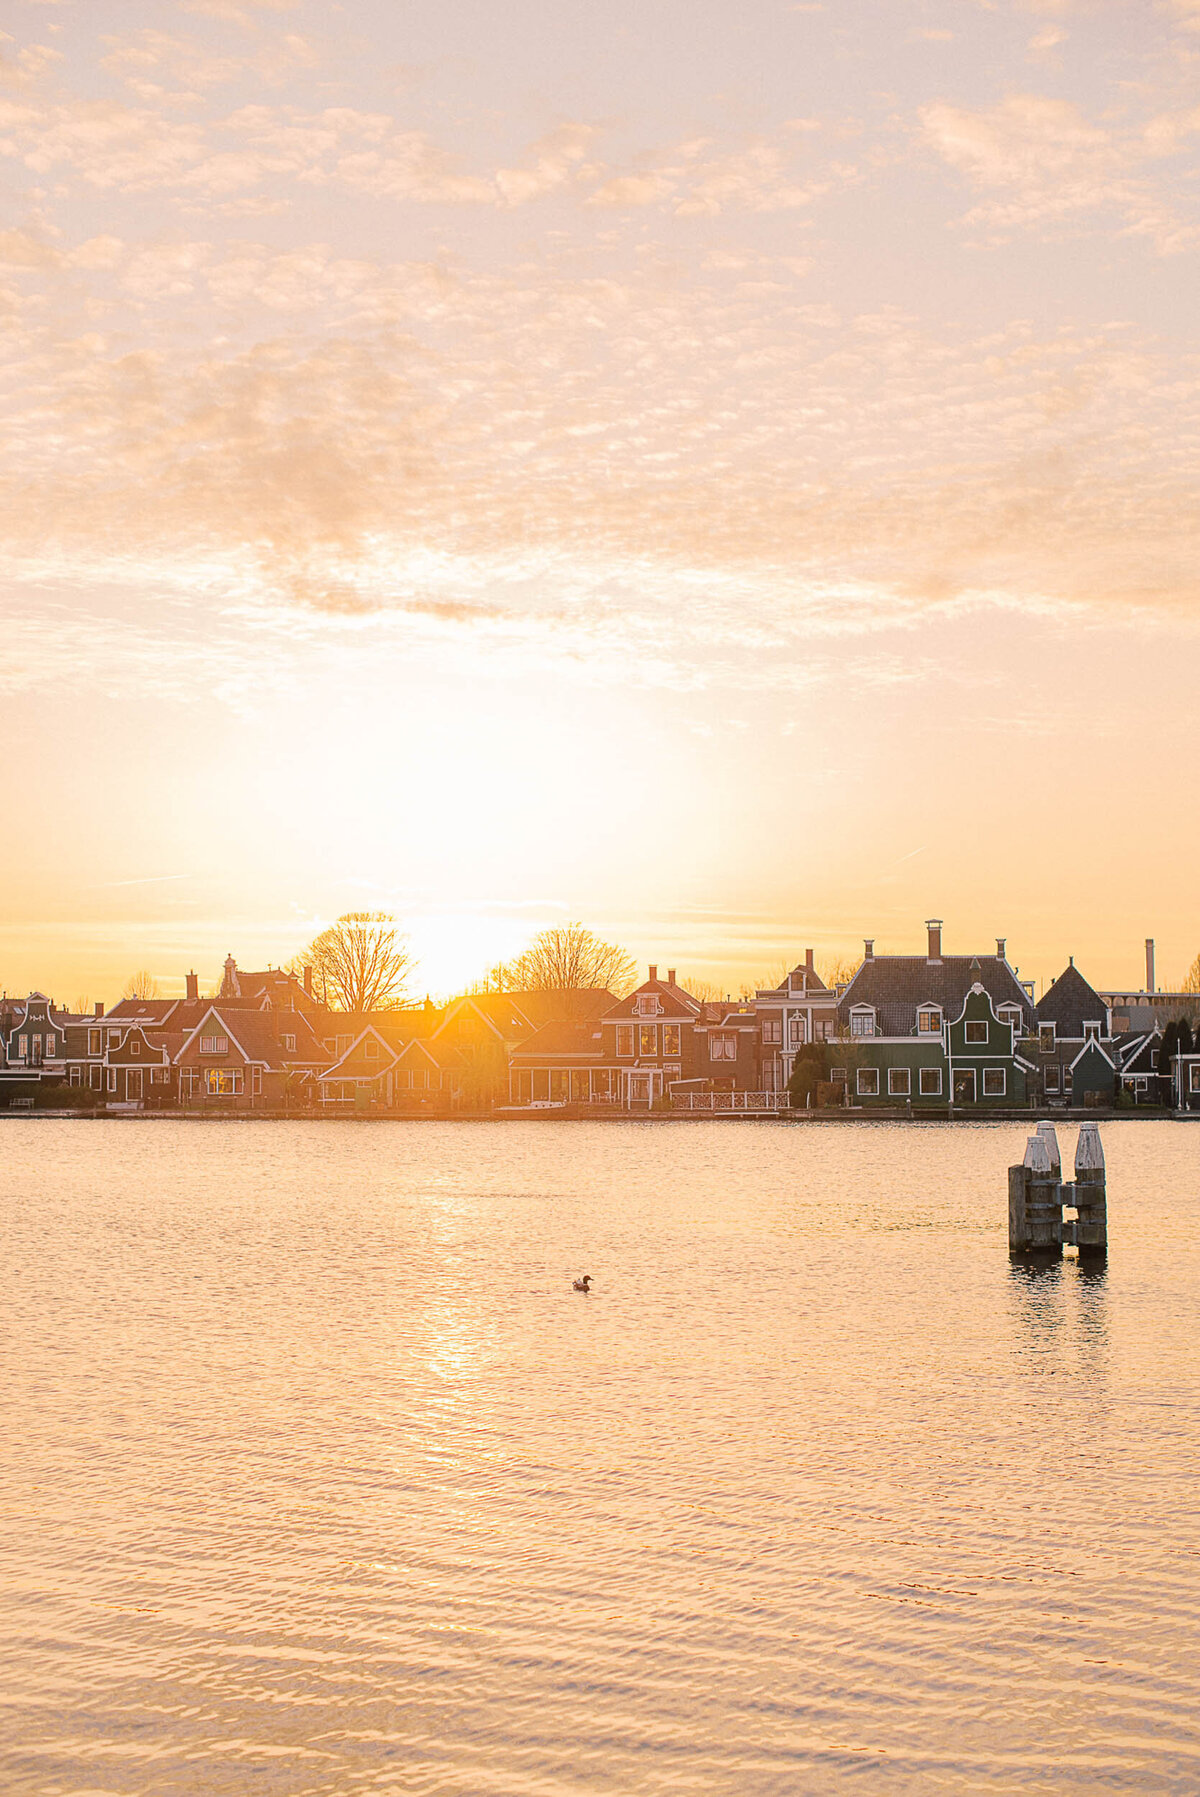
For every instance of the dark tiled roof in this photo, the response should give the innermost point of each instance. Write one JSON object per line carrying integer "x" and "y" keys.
{"x": 1070, "y": 1003}
{"x": 675, "y": 1000}
{"x": 140, "y": 1010}
{"x": 555, "y": 1041}
{"x": 896, "y": 986}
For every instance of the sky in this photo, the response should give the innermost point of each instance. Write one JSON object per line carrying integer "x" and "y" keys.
{"x": 727, "y": 473}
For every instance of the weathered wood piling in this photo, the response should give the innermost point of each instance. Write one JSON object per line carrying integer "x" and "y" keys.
{"x": 1038, "y": 1196}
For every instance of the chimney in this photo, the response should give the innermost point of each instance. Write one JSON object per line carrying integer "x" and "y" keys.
{"x": 670, "y": 976}
{"x": 934, "y": 926}
{"x": 1149, "y": 963}
{"x": 653, "y": 970}
{"x": 99, "y": 1008}
{"x": 193, "y": 985}
{"x": 308, "y": 980}
{"x": 868, "y": 948}
{"x": 1001, "y": 945}
{"x": 808, "y": 961}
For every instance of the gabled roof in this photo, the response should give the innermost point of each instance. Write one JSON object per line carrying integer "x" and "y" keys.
{"x": 895, "y": 987}
{"x": 354, "y": 1064}
{"x": 258, "y": 1035}
{"x": 1137, "y": 1050}
{"x": 677, "y": 1004}
{"x": 1070, "y": 1003}
{"x": 139, "y": 1010}
{"x": 440, "y": 1054}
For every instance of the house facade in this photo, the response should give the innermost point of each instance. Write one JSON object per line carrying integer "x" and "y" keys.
{"x": 933, "y": 1031}
{"x": 1076, "y": 1058}
{"x": 800, "y": 1011}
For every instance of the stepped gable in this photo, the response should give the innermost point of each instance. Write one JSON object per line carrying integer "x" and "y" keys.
{"x": 1070, "y": 1003}
{"x": 896, "y": 986}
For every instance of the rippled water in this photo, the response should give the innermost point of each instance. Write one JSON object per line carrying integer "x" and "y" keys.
{"x": 317, "y": 1476}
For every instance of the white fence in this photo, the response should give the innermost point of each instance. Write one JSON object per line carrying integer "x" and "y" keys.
{"x": 726, "y": 1101}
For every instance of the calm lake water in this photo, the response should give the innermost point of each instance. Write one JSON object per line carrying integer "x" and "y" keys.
{"x": 317, "y": 1477}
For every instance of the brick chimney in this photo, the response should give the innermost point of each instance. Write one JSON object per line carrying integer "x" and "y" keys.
{"x": 308, "y": 980}
{"x": 193, "y": 985}
{"x": 808, "y": 961}
{"x": 934, "y": 926}
{"x": 868, "y": 948}
{"x": 99, "y": 1007}
{"x": 653, "y": 970}
{"x": 1001, "y": 945}
{"x": 1149, "y": 963}
{"x": 670, "y": 976}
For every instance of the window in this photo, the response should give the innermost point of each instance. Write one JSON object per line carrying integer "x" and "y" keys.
{"x": 976, "y": 1030}
{"x": 114, "y": 1038}
{"x": 22, "y": 1047}
{"x": 1068, "y": 1080}
{"x": 899, "y": 1082}
{"x": 37, "y": 1045}
{"x": 1011, "y": 1015}
{"x": 670, "y": 1073}
{"x": 135, "y": 1046}
{"x": 1046, "y": 1034}
{"x": 1052, "y": 1080}
{"x": 868, "y": 1082}
{"x": 51, "y": 1047}
{"x": 95, "y": 1045}
{"x": 256, "y": 1082}
{"x": 799, "y": 1033}
{"x": 624, "y": 1038}
{"x": 929, "y": 1021}
{"x": 648, "y": 1005}
{"x": 722, "y": 1046}
{"x": 370, "y": 1049}
{"x": 160, "y": 1076}
{"x": 862, "y": 1023}
{"x": 94, "y": 1078}
{"x": 222, "y": 1082}
{"x": 772, "y": 1032}
{"x": 289, "y": 1045}
{"x": 214, "y": 1045}
{"x": 648, "y": 1038}
{"x": 838, "y": 1075}
{"x": 931, "y": 1082}
{"x": 112, "y": 1079}
{"x": 1194, "y": 1077}
{"x": 1091, "y": 1032}
{"x": 994, "y": 1083}
{"x": 670, "y": 1038}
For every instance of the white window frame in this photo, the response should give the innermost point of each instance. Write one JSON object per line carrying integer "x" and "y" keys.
{"x": 975, "y": 1023}
{"x": 95, "y": 1042}
{"x": 862, "y": 1022}
{"x": 625, "y": 1041}
{"x": 289, "y": 1045}
{"x": 1091, "y": 1031}
{"x": 899, "y": 1082}
{"x": 112, "y": 1079}
{"x": 1052, "y": 1079}
{"x": 672, "y": 1038}
{"x": 51, "y": 1047}
{"x": 722, "y": 1046}
{"x": 1047, "y": 1038}
{"x": 867, "y": 1090}
{"x": 929, "y": 1082}
{"x": 992, "y": 1074}
{"x": 1194, "y": 1076}
{"x": 214, "y": 1045}
{"x": 926, "y": 1028}
{"x": 647, "y": 1033}
{"x": 256, "y": 1082}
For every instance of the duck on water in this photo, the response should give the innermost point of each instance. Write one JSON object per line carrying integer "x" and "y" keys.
{"x": 582, "y": 1285}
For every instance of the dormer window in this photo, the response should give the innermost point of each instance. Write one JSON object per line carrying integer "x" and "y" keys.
{"x": 929, "y": 1021}
{"x": 648, "y": 1005}
{"x": 1047, "y": 1035}
{"x": 214, "y": 1045}
{"x": 862, "y": 1023}
{"x": 1091, "y": 1032}
{"x": 1011, "y": 1015}
{"x": 289, "y": 1044}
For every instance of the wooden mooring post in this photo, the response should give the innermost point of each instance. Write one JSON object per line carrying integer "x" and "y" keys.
{"x": 1038, "y": 1196}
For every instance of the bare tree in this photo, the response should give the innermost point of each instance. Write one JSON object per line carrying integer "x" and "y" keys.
{"x": 707, "y": 992}
{"x": 360, "y": 963}
{"x": 81, "y": 1006}
{"x": 141, "y": 984}
{"x": 567, "y": 959}
{"x": 838, "y": 970}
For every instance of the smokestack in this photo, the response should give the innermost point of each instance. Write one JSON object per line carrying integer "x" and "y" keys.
{"x": 653, "y": 970}
{"x": 670, "y": 976}
{"x": 868, "y": 948}
{"x": 99, "y": 1007}
{"x": 308, "y": 980}
{"x": 934, "y": 926}
{"x": 193, "y": 985}
{"x": 1149, "y": 963}
{"x": 1001, "y": 945}
{"x": 808, "y": 961}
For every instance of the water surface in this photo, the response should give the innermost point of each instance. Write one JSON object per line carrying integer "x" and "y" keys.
{"x": 317, "y": 1477}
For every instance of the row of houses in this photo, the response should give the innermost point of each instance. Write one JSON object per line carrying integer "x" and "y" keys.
{"x": 928, "y": 1032}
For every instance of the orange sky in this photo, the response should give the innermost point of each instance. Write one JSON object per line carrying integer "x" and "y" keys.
{"x": 728, "y": 473}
